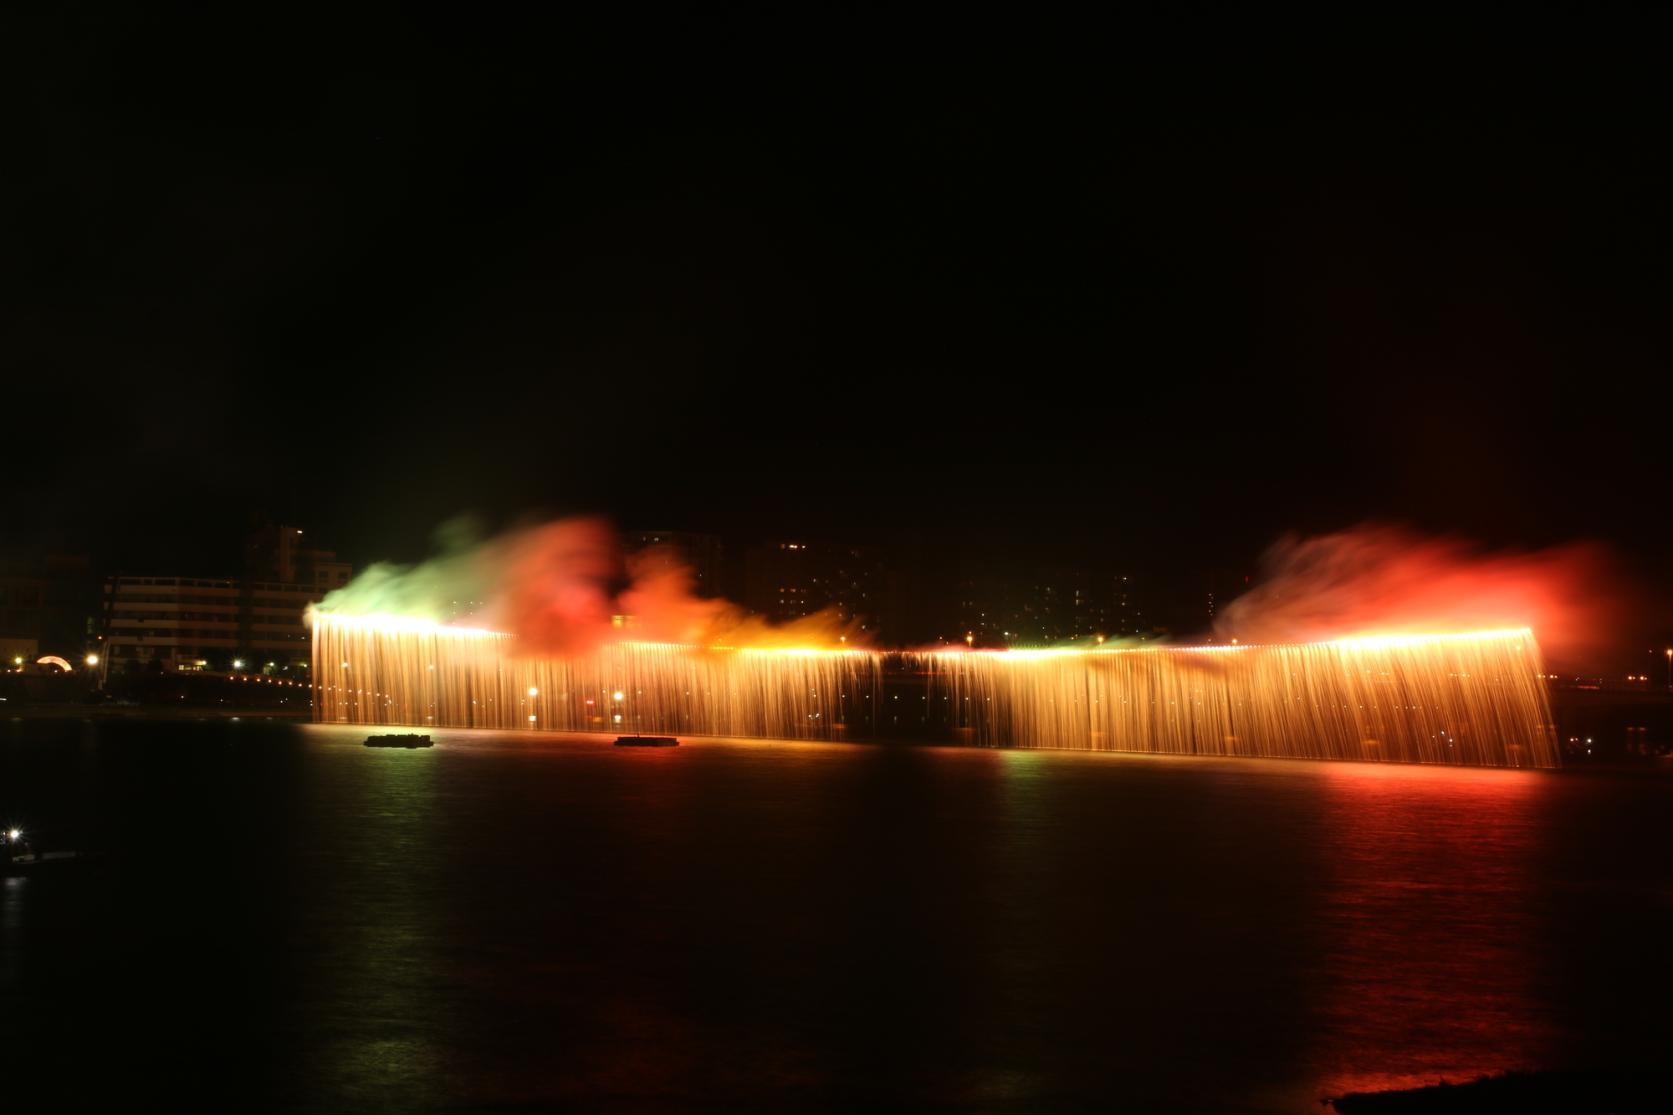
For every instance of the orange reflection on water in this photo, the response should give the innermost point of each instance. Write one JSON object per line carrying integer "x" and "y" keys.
{"x": 1424, "y": 933}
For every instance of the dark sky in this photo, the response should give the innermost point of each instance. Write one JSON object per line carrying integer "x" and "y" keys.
{"x": 1156, "y": 293}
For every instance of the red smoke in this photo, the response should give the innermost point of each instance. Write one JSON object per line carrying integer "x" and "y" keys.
{"x": 559, "y": 587}
{"x": 552, "y": 584}
{"x": 1380, "y": 579}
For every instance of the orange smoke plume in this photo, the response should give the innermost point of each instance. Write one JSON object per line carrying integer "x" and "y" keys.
{"x": 662, "y": 599}
{"x": 1389, "y": 580}
{"x": 565, "y": 588}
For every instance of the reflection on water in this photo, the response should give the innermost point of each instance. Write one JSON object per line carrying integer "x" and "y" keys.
{"x": 367, "y": 853}
{"x": 11, "y": 928}
{"x": 1427, "y": 927}
{"x": 537, "y": 920}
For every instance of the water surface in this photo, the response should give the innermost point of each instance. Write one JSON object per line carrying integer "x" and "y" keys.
{"x": 287, "y": 919}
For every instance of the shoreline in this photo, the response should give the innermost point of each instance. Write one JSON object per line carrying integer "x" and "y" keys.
{"x": 150, "y": 713}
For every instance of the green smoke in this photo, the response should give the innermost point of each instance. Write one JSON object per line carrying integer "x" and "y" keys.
{"x": 453, "y": 584}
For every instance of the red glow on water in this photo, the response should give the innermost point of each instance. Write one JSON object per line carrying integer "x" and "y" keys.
{"x": 1427, "y": 926}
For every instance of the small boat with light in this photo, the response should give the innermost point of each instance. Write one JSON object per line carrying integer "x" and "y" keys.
{"x": 19, "y": 857}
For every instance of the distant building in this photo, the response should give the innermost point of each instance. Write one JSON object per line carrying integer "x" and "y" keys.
{"x": 703, "y": 554}
{"x": 1043, "y": 606}
{"x": 253, "y": 623}
{"x": 1127, "y": 614}
{"x": 281, "y": 555}
{"x": 789, "y": 579}
{"x": 48, "y": 601}
{"x": 202, "y": 623}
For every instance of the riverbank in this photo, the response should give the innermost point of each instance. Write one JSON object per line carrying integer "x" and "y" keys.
{"x": 150, "y": 713}
{"x": 1572, "y": 1093}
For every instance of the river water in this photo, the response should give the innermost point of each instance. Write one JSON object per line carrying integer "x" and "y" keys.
{"x": 283, "y": 918}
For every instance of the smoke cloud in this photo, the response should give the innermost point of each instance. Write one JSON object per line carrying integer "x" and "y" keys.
{"x": 565, "y": 587}
{"x": 1388, "y": 580}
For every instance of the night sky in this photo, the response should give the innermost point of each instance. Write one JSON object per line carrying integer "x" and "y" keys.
{"x": 1158, "y": 295}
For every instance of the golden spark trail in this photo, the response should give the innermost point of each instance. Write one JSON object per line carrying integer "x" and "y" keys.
{"x": 1474, "y": 699}
{"x": 379, "y": 670}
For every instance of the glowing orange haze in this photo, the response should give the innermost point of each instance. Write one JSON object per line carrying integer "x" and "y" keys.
{"x": 1386, "y": 580}
{"x": 665, "y": 608}
{"x": 557, "y": 587}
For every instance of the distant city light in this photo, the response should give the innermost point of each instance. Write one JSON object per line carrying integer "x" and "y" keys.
{"x": 533, "y": 692}
{"x": 92, "y": 660}
{"x": 238, "y": 663}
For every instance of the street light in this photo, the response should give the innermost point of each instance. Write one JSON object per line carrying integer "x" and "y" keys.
{"x": 92, "y": 660}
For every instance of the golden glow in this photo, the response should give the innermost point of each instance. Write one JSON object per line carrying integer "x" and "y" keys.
{"x": 1357, "y": 642}
{"x": 399, "y": 624}
{"x": 1473, "y": 698}
{"x": 411, "y": 672}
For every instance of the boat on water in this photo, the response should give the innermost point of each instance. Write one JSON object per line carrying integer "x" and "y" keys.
{"x": 647, "y": 741}
{"x": 30, "y": 863}
{"x": 408, "y": 741}
{"x": 19, "y": 857}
